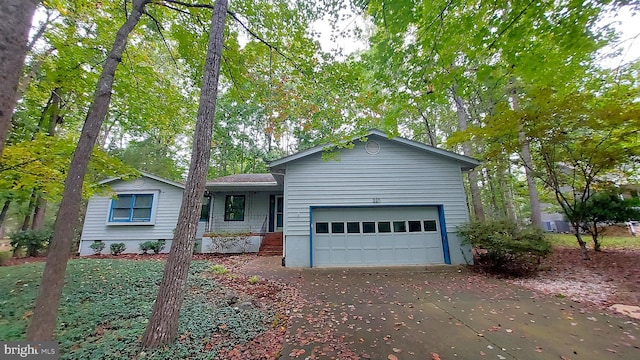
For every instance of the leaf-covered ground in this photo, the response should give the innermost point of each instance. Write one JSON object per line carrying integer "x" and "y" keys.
{"x": 106, "y": 304}
{"x": 611, "y": 276}
{"x": 237, "y": 315}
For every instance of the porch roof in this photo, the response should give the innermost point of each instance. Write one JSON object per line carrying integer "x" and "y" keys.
{"x": 255, "y": 182}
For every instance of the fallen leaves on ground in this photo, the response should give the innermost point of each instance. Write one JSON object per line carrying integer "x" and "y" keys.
{"x": 610, "y": 276}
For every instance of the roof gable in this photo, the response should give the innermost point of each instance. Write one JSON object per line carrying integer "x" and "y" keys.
{"x": 466, "y": 162}
{"x": 148, "y": 175}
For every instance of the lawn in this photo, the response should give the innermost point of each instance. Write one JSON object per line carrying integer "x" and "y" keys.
{"x": 608, "y": 242}
{"x": 106, "y": 304}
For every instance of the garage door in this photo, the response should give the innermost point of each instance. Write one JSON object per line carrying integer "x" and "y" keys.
{"x": 373, "y": 236}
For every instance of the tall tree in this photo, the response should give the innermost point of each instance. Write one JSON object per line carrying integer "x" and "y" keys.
{"x": 46, "y": 308}
{"x": 15, "y": 22}
{"x": 163, "y": 323}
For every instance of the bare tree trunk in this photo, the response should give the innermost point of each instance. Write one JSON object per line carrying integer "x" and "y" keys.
{"x": 30, "y": 207}
{"x": 478, "y": 209}
{"x": 46, "y": 309}
{"x": 534, "y": 197}
{"x": 39, "y": 213}
{"x": 163, "y": 323}
{"x": 505, "y": 188}
{"x": 3, "y": 213}
{"x": 582, "y": 243}
{"x": 15, "y": 22}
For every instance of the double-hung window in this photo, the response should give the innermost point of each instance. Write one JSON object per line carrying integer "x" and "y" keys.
{"x": 234, "y": 208}
{"x": 132, "y": 208}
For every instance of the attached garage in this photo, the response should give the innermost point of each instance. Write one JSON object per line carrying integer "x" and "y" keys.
{"x": 381, "y": 201}
{"x": 377, "y": 236}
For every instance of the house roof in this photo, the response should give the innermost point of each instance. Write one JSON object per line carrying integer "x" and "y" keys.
{"x": 149, "y": 175}
{"x": 466, "y": 162}
{"x": 238, "y": 180}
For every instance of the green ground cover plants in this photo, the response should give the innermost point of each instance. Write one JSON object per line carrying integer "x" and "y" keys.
{"x": 106, "y": 304}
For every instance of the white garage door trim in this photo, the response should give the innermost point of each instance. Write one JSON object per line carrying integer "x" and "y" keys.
{"x": 441, "y": 224}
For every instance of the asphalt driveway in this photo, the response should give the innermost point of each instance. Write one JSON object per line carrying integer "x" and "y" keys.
{"x": 440, "y": 313}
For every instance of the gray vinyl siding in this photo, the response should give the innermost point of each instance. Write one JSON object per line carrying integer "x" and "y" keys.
{"x": 398, "y": 175}
{"x": 168, "y": 206}
{"x": 256, "y": 212}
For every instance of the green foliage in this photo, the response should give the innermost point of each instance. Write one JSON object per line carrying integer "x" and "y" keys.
{"x": 158, "y": 246}
{"x": 155, "y": 246}
{"x": 607, "y": 207}
{"x": 30, "y": 240}
{"x": 107, "y": 304}
{"x": 504, "y": 247}
{"x": 254, "y": 279}
{"x": 219, "y": 269}
{"x": 146, "y": 246}
{"x": 117, "y": 248}
{"x": 97, "y": 247}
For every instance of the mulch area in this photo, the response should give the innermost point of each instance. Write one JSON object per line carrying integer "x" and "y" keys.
{"x": 611, "y": 276}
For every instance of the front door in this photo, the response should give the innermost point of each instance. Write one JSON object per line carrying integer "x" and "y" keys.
{"x": 278, "y": 212}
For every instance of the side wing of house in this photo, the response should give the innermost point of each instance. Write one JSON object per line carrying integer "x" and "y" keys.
{"x": 382, "y": 203}
{"x": 144, "y": 209}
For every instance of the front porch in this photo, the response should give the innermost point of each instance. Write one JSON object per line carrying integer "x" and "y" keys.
{"x": 242, "y": 213}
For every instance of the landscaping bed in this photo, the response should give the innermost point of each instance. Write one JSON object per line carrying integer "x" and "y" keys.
{"x": 104, "y": 313}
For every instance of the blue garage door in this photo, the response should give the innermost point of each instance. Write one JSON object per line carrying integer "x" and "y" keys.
{"x": 376, "y": 236}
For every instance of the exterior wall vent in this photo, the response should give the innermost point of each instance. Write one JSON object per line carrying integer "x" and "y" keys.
{"x": 372, "y": 147}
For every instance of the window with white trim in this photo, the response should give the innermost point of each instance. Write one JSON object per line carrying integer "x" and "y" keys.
{"x": 132, "y": 208}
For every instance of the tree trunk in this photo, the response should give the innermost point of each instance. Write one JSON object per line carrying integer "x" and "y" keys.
{"x": 46, "y": 309}
{"x": 39, "y": 213}
{"x": 595, "y": 235}
{"x": 478, "y": 209}
{"x": 534, "y": 198}
{"x": 583, "y": 245}
{"x": 163, "y": 323}
{"x": 3, "y": 213}
{"x": 30, "y": 207}
{"x": 15, "y": 22}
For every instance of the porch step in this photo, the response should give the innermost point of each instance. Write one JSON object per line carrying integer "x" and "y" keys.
{"x": 271, "y": 244}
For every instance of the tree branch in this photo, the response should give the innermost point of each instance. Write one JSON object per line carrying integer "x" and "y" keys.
{"x": 511, "y": 23}
{"x": 159, "y": 26}
{"x": 271, "y": 46}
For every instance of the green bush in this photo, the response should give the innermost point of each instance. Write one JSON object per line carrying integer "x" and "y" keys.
{"x": 146, "y": 246}
{"x": 157, "y": 246}
{"x": 117, "y": 248}
{"x": 97, "y": 247}
{"x": 506, "y": 248}
{"x": 30, "y": 240}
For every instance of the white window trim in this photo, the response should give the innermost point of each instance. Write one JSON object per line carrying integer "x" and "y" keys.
{"x": 154, "y": 208}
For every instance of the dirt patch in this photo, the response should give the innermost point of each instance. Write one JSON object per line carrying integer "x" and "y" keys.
{"x": 612, "y": 276}
{"x": 5, "y": 245}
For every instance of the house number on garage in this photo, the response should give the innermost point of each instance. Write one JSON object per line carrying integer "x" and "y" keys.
{"x": 376, "y": 200}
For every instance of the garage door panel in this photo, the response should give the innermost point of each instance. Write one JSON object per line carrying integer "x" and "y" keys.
{"x": 412, "y": 243}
